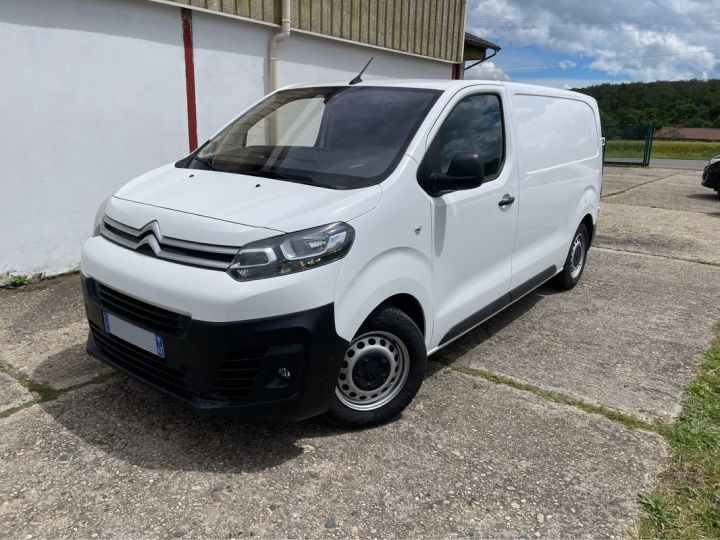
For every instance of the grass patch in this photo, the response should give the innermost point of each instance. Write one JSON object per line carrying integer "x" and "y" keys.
{"x": 557, "y": 397}
{"x": 13, "y": 410}
{"x": 46, "y": 393}
{"x": 43, "y": 391}
{"x": 662, "y": 149}
{"x": 686, "y": 502}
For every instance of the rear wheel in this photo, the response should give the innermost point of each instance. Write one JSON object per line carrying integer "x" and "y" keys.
{"x": 575, "y": 261}
{"x": 383, "y": 369}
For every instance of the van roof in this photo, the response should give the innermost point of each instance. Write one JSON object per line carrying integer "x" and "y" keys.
{"x": 446, "y": 84}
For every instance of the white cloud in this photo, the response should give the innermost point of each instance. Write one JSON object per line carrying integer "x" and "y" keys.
{"x": 487, "y": 71}
{"x": 639, "y": 40}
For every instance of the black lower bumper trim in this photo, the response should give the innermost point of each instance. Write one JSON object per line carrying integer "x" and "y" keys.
{"x": 232, "y": 368}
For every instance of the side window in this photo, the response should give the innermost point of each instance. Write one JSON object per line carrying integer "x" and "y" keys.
{"x": 474, "y": 125}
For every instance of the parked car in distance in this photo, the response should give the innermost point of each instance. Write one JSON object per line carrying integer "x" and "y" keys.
{"x": 711, "y": 175}
{"x": 308, "y": 258}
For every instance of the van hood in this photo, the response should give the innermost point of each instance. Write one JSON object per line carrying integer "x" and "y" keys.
{"x": 248, "y": 200}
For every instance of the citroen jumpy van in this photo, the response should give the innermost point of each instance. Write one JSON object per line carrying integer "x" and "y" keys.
{"x": 309, "y": 257}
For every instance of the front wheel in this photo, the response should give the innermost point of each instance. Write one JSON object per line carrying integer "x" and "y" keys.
{"x": 383, "y": 369}
{"x": 575, "y": 261}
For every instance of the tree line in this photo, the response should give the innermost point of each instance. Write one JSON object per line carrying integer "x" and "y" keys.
{"x": 691, "y": 103}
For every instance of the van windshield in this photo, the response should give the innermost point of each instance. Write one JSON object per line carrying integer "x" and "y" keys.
{"x": 335, "y": 137}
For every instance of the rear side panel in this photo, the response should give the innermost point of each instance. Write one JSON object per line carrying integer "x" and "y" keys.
{"x": 560, "y": 157}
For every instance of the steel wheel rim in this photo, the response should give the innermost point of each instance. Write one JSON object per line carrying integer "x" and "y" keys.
{"x": 366, "y": 361}
{"x": 577, "y": 256}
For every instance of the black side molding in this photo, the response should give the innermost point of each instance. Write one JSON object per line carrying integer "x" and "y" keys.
{"x": 496, "y": 306}
{"x": 533, "y": 283}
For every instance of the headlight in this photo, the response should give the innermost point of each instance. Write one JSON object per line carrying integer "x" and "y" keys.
{"x": 292, "y": 252}
{"x": 99, "y": 215}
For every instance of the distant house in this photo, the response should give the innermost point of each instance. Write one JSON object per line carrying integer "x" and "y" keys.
{"x": 674, "y": 133}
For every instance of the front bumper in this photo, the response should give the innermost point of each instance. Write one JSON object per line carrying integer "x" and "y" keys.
{"x": 224, "y": 368}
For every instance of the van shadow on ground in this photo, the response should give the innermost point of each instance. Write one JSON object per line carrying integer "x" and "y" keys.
{"x": 710, "y": 197}
{"x": 136, "y": 425}
{"x": 475, "y": 338}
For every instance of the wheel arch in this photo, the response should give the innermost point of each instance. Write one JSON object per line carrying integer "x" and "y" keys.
{"x": 586, "y": 212}
{"x": 589, "y": 222}
{"x": 409, "y": 305}
{"x": 399, "y": 278}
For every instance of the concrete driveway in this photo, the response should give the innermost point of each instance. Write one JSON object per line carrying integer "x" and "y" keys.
{"x": 490, "y": 448}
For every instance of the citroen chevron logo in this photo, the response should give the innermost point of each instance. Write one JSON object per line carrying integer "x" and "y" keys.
{"x": 153, "y": 239}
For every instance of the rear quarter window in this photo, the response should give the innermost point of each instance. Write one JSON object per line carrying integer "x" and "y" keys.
{"x": 554, "y": 131}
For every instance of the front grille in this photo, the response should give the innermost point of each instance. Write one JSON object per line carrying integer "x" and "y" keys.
{"x": 149, "y": 241}
{"x": 236, "y": 376}
{"x": 140, "y": 363}
{"x": 144, "y": 314}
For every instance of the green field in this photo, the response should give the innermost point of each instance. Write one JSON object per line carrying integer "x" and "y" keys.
{"x": 662, "y": 149}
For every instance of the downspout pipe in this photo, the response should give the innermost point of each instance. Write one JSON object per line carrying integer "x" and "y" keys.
{"x": 278, "y": 38}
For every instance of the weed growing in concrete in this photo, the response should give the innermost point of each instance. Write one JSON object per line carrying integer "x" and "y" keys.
{"x": 20, "y": 280}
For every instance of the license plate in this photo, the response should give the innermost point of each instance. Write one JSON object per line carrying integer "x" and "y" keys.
{"x": 132, "y": 334}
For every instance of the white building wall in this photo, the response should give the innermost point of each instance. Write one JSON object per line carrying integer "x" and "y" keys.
{"x": 92, "y": 94}
{"x": 97, "y": 96}
{"x": 231, "y": 67}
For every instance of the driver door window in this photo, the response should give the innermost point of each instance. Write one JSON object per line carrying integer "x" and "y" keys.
{"x": 474, "y": 125}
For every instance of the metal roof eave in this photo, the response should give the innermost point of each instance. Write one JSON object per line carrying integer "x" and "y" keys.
{"x": 476, "y": 47}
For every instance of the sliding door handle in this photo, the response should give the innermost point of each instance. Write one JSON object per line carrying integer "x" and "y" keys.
{"x": 507, "y": 200}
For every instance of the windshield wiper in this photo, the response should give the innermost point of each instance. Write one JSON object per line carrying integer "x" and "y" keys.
{"x": 205, "y": 162}
{"x": 283, "y": 176}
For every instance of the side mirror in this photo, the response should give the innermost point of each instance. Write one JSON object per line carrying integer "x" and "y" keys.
{"x": 466, "y": 171}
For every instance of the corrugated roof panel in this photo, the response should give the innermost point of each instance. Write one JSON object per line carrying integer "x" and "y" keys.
{"x": 432, "y": 28}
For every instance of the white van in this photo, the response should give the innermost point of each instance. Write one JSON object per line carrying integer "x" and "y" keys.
{"x": 309, "y": 257}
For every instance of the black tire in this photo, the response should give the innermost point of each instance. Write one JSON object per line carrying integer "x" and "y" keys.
{"x": 399, "y": 335}
{"x": 570, "y": 276}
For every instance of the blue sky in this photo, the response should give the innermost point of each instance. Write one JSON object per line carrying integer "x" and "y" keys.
{"x": 556, "y": 69}
{"x": 571, "y": 43}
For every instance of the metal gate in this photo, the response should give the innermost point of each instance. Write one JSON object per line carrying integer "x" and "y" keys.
{"x": 628, "y": 145}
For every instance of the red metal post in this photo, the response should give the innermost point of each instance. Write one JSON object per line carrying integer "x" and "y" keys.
{"x": 456, "y": 73}
{"x": 189, "y": 77}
